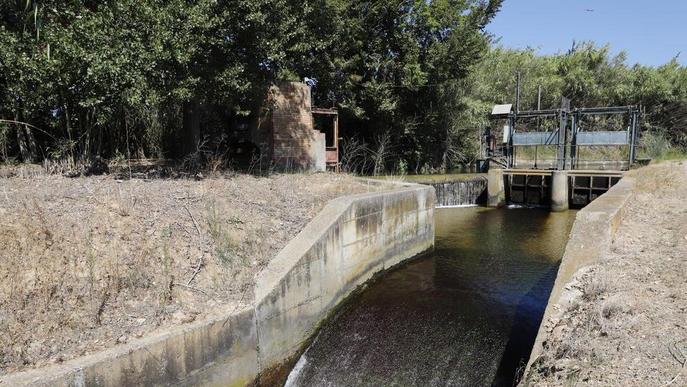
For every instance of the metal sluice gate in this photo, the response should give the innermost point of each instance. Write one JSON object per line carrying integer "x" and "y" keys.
{"x": 565, "y": 181}
{"x": 531, "y": 187}
{"x": 568, "y": 136}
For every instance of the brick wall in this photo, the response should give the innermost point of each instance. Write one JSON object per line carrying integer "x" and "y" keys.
{"x": 294, "y": 143}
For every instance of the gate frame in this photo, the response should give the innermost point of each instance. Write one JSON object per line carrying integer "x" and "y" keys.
{"x": 565, "y": 115}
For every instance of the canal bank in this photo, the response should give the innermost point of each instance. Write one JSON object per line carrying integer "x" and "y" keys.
{"x": 617, "y": 313}
{"x": 589, "y": 241}
{"x": 350, "y": 240}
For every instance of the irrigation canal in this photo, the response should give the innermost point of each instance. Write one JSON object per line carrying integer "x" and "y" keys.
{"x": 465, "y": 315}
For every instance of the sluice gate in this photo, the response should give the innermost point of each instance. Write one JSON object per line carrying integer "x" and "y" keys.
{"x": 558, "y": 189}
{"x": 566, "y": 180}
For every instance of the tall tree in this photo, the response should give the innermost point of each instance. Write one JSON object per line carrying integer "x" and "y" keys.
{"x": 395, "y": 66}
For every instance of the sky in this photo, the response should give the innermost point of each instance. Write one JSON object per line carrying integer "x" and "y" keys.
{"x": 650, "y": 32}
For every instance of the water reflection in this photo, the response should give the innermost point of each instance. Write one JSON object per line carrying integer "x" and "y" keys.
{"x": 464, "y": 315}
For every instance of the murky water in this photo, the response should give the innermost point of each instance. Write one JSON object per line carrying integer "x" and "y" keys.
{"x": 465, "y": 315}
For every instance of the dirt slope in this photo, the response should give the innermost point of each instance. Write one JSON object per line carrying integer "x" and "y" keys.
{"x": 88, "y": 263}
{"x": 629, "y": 328}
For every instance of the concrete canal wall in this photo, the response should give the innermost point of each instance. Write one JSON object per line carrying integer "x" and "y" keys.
{"x": 353, "y": 238}
{"x": 590, "y": 239}
{"x": 461, "y": 192}
{"x": 456, "y": 190}
{"x": 350, "y": 241}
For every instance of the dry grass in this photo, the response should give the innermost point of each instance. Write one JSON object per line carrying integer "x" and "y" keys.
{"x": 88, "y": 263}
{"x": 594, "y": 287}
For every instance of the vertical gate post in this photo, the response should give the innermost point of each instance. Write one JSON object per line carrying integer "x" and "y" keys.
{"x": 562, "y": 133}
{"x": 511, "y": 149}
{"x": 573, "y": 140}
{"x": 496, "y": 190}
{"x": 634, "y": 115}
{"x": 559, "y": 191}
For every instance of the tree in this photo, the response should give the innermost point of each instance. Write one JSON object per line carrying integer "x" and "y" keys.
{"x": 395, "y": 68}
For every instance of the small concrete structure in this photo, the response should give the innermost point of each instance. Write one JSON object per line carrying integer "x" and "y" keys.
{"x": 496, "y": 190}
{"x": 349, "y": 241}
{"x": 286, "y": 131}
{"x": 559, "y": 191}
{"x": 459, "y": 192}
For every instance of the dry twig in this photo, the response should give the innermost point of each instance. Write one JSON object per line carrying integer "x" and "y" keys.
{"x": 683, "y": 361}
{"x": 191, "y": 288}
{"x": 197, "y": 270}
{"x": 195, "y": 224}
{"x": 200, "y": 260}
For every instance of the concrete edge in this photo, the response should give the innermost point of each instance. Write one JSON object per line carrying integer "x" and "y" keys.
{"x": 351, "y": 240}
{"x": 393, "y": 182}
{"x": 179, "y": 355}
{"x": 590, "y": 239}
{"x": 287, "y": 257}
{"x": 483, "y": 178}
{"x": 163, "y": 354}
{"x": 379, "y": 181}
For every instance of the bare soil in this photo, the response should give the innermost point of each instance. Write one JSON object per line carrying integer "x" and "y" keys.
{"x": 629, "y": 325}
{"x": 88, "y": 263}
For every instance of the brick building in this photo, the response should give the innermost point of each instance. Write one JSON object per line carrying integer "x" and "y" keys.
{"x": 285, "y": 131}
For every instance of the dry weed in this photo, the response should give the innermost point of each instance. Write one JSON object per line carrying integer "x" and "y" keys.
{"x": 225, "y": 242}
{"x": 89, "y": 262}
{"x": 605, "y": 313}
{"x": 595, "y": 286}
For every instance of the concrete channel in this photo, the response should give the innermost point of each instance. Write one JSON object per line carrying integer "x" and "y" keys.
{"x": 603, "y": 196}
{"x": 352, "y": 239}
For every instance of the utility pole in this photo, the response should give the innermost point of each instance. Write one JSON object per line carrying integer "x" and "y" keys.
{"x": 538, "y": 106}
{"x": 539, "y": 97}
{"x": 517, "y": 92}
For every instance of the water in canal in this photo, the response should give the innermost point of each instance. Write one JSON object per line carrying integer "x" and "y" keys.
{"x": 465, "y": 315}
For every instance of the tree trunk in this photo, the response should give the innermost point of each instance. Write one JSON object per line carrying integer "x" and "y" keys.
{"x": 23, "y": 145}
{"x": 33, "y": 146}
{"x": 26, "y": 141}
{"x": 87, "y": 141}
{"x": 191, "y": 135}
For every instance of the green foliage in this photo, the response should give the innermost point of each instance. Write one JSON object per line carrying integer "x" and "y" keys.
{"x": 397, "y": 68}
{"x": 657, "y": 147}
{"x": 114, "y": 77}
{"x": 117, "y": 78}
{"x": 590, "y": 76}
